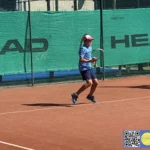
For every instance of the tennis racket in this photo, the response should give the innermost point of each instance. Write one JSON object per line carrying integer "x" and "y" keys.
{"x": 97, "y": 53}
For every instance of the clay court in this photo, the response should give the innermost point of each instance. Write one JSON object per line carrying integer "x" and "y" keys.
{"x": 43, "y": 117}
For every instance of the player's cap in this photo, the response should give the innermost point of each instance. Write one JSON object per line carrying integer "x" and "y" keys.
{"x": 87, "y": 38}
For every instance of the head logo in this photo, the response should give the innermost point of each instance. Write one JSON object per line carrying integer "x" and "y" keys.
{"x": 135, "y": 40}
{"x": 14, "y": 45}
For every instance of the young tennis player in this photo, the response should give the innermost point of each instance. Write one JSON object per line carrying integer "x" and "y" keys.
{"x": 85, "y": 69}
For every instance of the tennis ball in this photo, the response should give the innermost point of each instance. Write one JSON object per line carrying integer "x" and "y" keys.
{"x": 146, "y": 139}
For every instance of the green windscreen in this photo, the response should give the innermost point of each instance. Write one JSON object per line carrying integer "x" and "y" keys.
{"x": 126, "y": 36}
{"x": 56, "y": 38}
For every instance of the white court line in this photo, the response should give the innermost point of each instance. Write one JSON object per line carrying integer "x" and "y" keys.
{"x": 14, "y": 145}
{"x": 112, "y": 101}
{"x": 126, "y": 99}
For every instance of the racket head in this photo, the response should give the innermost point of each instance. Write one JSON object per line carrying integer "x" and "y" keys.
{"x": 97, "y": 52}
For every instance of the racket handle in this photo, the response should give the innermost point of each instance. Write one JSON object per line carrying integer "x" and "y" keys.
{"x": 95, "y": 64}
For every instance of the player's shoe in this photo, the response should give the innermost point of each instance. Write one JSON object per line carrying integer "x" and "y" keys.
{"x": 74, "y": 98}
{"x": 91, "y": 98}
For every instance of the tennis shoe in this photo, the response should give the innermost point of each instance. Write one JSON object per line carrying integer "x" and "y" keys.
{"x": 91, "y": 98}
{"x": 74, "y": 98}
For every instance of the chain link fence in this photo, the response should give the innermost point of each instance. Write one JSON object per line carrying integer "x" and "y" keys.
{"x": 47, "y": 5}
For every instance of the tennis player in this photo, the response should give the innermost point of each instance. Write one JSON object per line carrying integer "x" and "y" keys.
{"x": 86, "y": 71}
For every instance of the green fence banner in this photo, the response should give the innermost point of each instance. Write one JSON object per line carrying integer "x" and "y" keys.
{"x": 56, "y": 37}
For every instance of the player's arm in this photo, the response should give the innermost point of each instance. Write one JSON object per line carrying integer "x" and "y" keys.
{"x": 86, "y": 61}
{"x": 82, "y": 53}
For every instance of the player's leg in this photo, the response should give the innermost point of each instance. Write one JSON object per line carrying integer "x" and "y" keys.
{"x": 86, "y": 75}
{"x": 93, "y": 87}
{"x": 84, "y": 86}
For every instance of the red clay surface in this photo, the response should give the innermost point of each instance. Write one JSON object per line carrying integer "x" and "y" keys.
{"x": 43, "y": 117}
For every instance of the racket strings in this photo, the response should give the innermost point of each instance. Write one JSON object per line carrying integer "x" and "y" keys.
{"x": 97, "y": 53}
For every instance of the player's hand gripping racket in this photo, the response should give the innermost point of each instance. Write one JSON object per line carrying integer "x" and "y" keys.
{"x": 96, "y": 54}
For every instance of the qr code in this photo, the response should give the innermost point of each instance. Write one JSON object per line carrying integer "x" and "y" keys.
{"x": 131, "y": 138}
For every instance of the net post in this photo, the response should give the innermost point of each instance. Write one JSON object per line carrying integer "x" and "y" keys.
{"x": 51, "y": 74}
{"x": 56, "y": 5}
{"x": 0, "y": 78}
{"x": 30, "y": 37}
{"x": 101, "y": 35}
